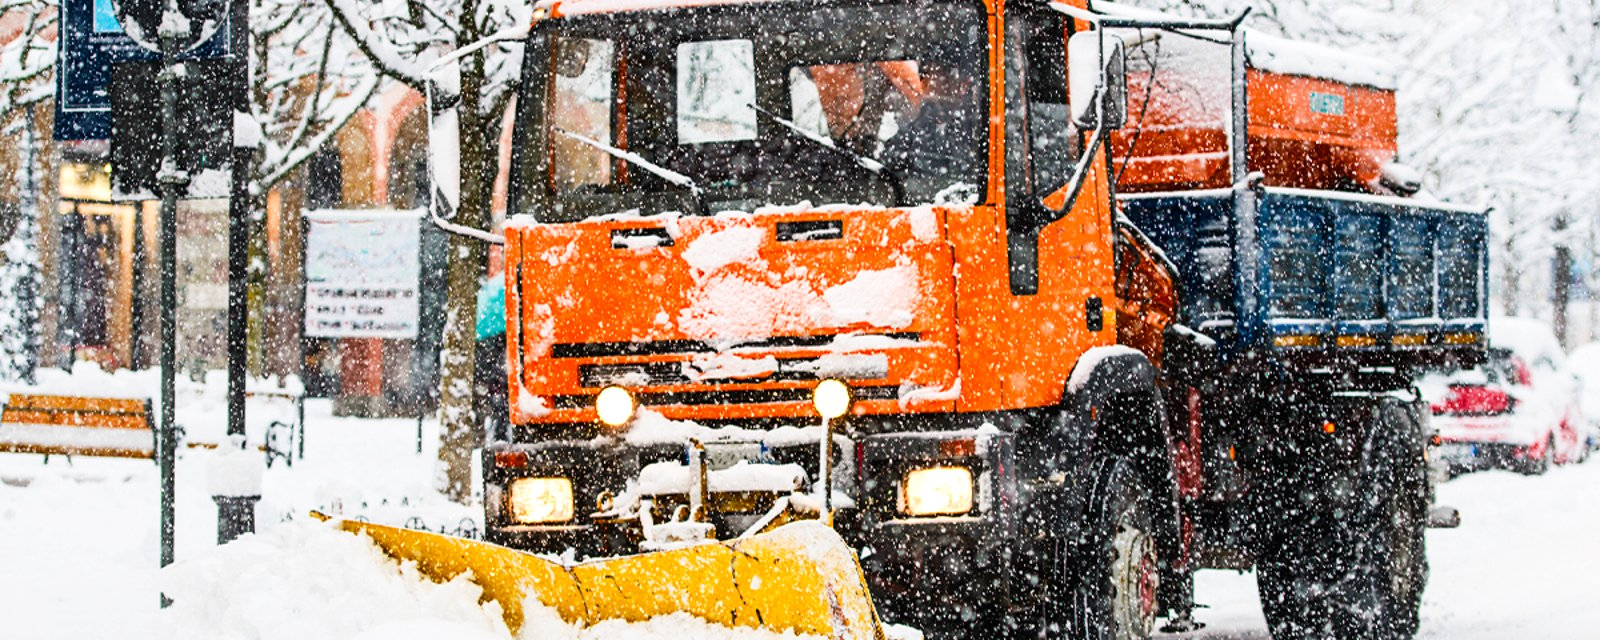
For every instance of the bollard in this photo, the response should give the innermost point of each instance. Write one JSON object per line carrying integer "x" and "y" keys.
{"x": 236, "y": 516}
{"x": 235, "y": 478}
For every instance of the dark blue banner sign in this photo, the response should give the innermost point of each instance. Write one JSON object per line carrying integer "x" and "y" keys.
{"x": 92, "y": 40}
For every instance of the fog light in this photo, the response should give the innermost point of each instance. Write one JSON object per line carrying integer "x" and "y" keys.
{"x": 541, "y": 500}
{"x": 831, "y": 398}
{"x": 937, "y": 491}
{"x": 615, "y": 406}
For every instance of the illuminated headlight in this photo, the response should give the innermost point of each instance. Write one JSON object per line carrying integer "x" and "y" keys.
{"x": 937, "y": 491}
{"x": 541, "y": 500}
{"x": 831, "y": 398}
{"x": 615, "y": 406}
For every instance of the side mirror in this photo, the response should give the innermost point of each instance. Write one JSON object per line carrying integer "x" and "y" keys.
{"x": 1085, "y": 74}
{"x": 444, "y": 139}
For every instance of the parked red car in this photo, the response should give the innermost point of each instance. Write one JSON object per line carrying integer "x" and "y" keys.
{"x": 1520, "y": 410}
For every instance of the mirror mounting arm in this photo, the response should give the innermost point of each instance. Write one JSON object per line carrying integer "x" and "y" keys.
{"x": 463, "y": 230}
{"x": 1080, "y": 173}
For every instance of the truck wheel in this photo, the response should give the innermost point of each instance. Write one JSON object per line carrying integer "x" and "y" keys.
{"x": 1351, "y": 571}
{"x": 1371, "y": 589}
{"x": 1403, "y": 567}
{"x": 1115, "y": 597}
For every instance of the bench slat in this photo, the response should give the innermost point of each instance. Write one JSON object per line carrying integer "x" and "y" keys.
{"x": 75, "y": 419}
{"x": 43, "y": 402}
{"x": 49, "y": 450}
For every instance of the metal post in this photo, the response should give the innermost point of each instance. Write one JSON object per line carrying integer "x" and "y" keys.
{"x": 174, "y": 183}
{"x": 825, "y": 472}
{"x": 1247, "y": 250}
{"x": 236, "y": 513}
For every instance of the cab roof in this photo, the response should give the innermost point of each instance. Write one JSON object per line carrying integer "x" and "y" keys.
{"x": 568, "y": 8}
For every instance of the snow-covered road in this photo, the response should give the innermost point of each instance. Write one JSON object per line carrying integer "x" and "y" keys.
{"x": 1525, "y": 563}
{"x": 78, "y": 542}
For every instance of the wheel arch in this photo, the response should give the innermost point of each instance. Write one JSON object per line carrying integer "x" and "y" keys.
{"x": 1115, "y": 406}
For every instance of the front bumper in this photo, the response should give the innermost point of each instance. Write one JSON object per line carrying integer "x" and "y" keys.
{"x": 926, "y": 571}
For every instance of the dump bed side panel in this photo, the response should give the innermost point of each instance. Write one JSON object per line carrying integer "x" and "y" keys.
{"x": 1366, "y": 279}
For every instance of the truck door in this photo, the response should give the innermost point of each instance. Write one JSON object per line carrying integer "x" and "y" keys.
{"x": 1041, "y": 141}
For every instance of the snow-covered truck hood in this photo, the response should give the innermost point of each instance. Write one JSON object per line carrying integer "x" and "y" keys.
{"x": 734, "y": 315}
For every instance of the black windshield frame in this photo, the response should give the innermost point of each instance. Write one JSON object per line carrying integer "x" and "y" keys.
{"x": 854, "y": 31}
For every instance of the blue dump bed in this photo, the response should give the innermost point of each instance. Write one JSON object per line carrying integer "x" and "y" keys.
{"x": 1325, "y": 276}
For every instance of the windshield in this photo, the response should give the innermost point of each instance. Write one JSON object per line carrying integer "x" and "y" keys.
{"x": 770, "y": 104}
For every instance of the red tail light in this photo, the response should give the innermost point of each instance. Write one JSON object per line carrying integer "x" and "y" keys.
{"x": 1475, "y": 401}
{"x": 510, "y": 459}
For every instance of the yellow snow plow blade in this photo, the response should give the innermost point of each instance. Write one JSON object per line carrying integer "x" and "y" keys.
{"x": 800, "y": 577}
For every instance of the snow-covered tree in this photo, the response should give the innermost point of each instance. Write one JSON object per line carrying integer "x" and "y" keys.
{"x": 27, "y": 59}
{"x": 308, "y": 80}
{"x": 401, "y": 38}
{"x": 27, "y": 54}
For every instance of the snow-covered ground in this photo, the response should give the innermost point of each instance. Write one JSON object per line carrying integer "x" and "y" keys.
{"x": 78, "y": 553}
{"x": 1523, "y": 564}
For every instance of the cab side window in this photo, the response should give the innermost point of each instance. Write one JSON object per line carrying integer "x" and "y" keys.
{"x": 1053, "y": 137}
{"x": 1041, "y": 142}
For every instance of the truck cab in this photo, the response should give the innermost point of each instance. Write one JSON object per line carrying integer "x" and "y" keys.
{"x": 721, "y": 205}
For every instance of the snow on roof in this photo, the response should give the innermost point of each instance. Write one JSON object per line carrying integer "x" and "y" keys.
{"x": 585, "y": 7}
{"x": 1290, "y": 57}
{"x": 1529, "y": 338}
{"x": 1297, "y": 58}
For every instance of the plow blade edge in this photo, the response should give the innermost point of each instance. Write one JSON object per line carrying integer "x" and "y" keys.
{"x": 800, "y": 577}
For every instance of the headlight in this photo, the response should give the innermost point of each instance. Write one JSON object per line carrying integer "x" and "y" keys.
{"x": 831, "y": 398}
{"x": 541, "y": 500}
{"x": 615, "y": 406}
{"x": 937, "y": 491}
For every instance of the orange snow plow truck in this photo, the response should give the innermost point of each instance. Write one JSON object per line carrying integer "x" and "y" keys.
{"x": 821, "y": 312}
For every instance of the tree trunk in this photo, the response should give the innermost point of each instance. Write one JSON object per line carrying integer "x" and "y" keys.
{"x": 458, "y": 426}
{"x": 1560, "y": 280}
{"x": 1509, "y": 276}
{"x": 1590, "y": 280}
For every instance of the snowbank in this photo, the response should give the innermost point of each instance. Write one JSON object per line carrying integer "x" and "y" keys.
{"x": 310, "y": 581}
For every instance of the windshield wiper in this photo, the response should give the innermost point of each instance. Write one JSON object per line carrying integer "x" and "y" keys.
{"x": 873, "y": 166}
{"x": 672, "y": 177}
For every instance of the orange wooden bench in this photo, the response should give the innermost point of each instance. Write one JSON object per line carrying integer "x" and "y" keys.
{"x": 85, "y": 426}
{"x": 77, "y": 425}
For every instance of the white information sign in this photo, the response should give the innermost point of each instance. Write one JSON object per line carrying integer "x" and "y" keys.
{"x": 362, "y": 273}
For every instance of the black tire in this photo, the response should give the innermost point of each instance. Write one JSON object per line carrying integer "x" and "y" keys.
{"x": 1047, "y": 617}
{"x": 1352, "y": 570}
{"x": 1116, "y": 594}
{"x": 1542, "y": 465}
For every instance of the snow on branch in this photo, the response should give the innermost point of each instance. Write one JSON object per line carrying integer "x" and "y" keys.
{"x": 401, "y": 64}
{"x": 27, "y": 60}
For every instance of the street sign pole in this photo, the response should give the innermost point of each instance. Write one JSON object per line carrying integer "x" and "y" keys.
{"x": 238, "y": 226}
{"x": 236, "y": 514}
{"x": 174, "y": 182}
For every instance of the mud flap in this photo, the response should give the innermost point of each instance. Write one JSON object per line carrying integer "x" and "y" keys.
{"x": 799, "y": 577}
